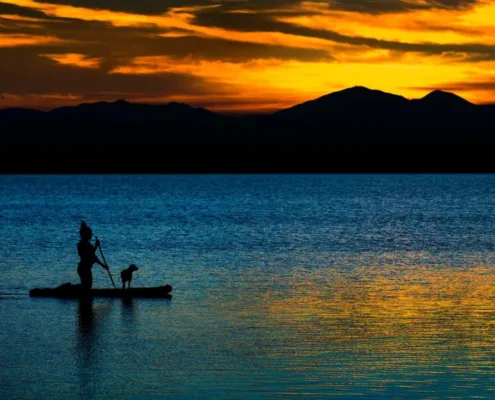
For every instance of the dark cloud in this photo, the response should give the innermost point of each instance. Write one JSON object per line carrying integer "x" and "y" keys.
{"x": 487, "y": 51}
{"x": 102, "y": 40}
{"x": 127, "y": 42}
{"x": 461, "y": 86}
{"x": 261, "y": 22}
{"x": 150, "y": 7}
{"x": 363, "y": 6}
{"x": 481, "y": 57}
{"x": 387, "y": 6}
{"x": 22, "y": 11}
{"x": 241, "y": 22}
{"x": 25, "y": 73}
{"x": 219, "y": 49}
{"x": 155, "y": 7}
{"x": 117, "y": 45}
{"x": 265, "y": 22}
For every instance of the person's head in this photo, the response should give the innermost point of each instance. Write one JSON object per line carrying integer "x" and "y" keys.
{"x": 85, "y": 231}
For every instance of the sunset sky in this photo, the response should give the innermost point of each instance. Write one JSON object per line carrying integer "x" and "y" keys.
{"x": 241, "y": 55}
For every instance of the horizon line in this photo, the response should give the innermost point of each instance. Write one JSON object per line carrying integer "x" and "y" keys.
{"x": 235, "y": 112}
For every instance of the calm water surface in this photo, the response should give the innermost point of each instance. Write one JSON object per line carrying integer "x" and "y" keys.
{"x": 311, "y": 286}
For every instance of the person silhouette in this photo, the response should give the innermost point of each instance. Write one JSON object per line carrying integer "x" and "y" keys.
{"x": 87, "y": 254}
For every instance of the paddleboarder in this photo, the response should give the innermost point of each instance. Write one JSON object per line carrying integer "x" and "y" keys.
{"x": 87, "y": 254}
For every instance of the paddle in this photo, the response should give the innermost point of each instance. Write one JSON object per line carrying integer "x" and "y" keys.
{"x": 105, "y": 262}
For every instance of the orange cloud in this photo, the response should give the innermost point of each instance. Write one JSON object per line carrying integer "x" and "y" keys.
{"x": 44, "y": 101}
{"x": 19, "y": 39}
{"x": 176, "y": 18}
{"x": 172, "y": 19}
{"x": 20, "y": 18}
{"x": 439, "y": 26}
{"x": 309, "y": 79}
{"x": 78, "y": 60}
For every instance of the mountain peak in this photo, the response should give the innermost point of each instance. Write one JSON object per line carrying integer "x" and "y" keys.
{"x": 356, "y": 90}
{"x": 121, "y": 102}
{"x": 362, "y": 94}
{"x": 445, "y": 99}
{"x": 353, "y": 100}
{"x": 359, "y": 88}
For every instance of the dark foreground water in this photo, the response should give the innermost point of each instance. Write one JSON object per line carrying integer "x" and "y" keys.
{"x": 378, "y": 286}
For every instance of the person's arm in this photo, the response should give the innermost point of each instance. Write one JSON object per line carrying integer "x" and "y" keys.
{"x": 95, "y": 247}
{"x": 97, "y": 260}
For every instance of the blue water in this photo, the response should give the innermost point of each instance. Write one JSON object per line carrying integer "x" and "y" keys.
{"x": 308, "y": 286}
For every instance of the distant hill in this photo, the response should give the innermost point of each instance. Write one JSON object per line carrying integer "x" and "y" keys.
{"x": 353, "y": 100}
{"x": 20, "y": 114}
{"x": 439, "y": 101}
{"x": 359, "y": 101}
{"x": 355, "y": 126}
{"x": 360, "y": 116}
{"x": 123, "y": 111}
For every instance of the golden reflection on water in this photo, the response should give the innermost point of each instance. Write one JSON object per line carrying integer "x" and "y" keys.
{"x": 423, "y": 307}
{"x": 407, "y": 326}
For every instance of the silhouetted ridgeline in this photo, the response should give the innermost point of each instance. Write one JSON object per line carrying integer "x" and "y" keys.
{"x": 356, "y": 129}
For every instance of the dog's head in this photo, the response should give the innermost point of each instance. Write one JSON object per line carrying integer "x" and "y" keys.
{"x": 132, "y": 268}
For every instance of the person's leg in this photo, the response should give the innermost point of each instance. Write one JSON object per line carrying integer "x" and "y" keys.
{"x": 86, "y": 279}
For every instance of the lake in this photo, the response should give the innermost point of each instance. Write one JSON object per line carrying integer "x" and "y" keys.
{"x": 299, "y": 286}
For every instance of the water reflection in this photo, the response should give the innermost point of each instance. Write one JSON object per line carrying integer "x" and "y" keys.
{"x": 127, "y": 302}
{"x": 128, "y": 312}
{"x": 376, "y": 329}
{"x": 431, "y": 307}
{"x": 88, "y": 347}
{"x": 86, "y": 320}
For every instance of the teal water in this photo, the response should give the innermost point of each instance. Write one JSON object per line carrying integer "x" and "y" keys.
{"x": 307, "y": 286}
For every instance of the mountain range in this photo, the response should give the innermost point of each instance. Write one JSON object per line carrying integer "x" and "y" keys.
{"x": 355, "y": 127}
